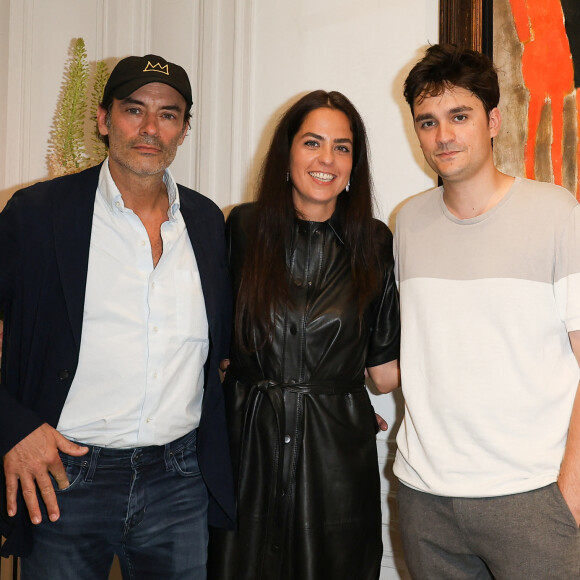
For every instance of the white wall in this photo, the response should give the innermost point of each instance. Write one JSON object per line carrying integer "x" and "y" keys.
{"x": 248, "y": 59}
{"x": 361, "y": 48}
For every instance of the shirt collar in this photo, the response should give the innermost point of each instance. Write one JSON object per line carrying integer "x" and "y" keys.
{"x": 114, "y": 200}
{"x": 336, "y": 226}
{"x": 334, "y": 223}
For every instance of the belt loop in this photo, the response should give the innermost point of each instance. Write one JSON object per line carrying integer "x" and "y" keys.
{"x": 95, "y": 450}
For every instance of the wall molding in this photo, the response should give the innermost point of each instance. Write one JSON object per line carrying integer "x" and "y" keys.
{"x": 18, "y": 105}
{"x": 222, "y": 118}
{"x": 241, "y": 152}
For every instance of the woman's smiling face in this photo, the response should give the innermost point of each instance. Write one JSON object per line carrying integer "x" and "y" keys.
{"x": 320, "y": 162}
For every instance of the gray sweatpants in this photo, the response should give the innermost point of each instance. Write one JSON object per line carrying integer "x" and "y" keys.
{"x": 525, "y": 536}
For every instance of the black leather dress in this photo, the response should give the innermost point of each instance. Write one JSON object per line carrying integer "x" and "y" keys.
{"x": 302, "y": 425}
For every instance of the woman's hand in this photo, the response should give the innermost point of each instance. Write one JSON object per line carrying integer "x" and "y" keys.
{"x": 223, "y": 368}
{"x": 381, "y": 423}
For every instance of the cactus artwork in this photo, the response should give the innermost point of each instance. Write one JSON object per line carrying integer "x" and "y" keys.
{"x": 67, "y": 145}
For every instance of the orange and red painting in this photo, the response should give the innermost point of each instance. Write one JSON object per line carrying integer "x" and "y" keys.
{"x": 537, "y": 53}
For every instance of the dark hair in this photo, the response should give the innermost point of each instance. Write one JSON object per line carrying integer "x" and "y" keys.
{"x": 264, "y": 279}
{"x": 108, "y": 106}
{"x": 448, "y": 65}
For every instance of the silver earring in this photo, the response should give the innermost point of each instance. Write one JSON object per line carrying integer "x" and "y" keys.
{"x": 287, "y": 176}
{"x": 347, "y": 188}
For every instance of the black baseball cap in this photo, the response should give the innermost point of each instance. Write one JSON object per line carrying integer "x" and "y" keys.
{"x": 133, "y": 72}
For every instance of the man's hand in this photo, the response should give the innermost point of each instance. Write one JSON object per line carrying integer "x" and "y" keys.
{"x": 30, "y": 461}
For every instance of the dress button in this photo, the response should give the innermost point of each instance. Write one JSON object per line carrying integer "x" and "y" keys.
{"x": 63, "y": 374}
{"x": 275, "y": 548}
{"x": 299, "y": 282}
{"x": 287, "y": 439}
{"x": 293, "y": 329}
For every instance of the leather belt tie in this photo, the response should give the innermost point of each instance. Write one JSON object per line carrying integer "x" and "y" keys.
{"x": 273, "y": 392}
{"x": 286, "y": 401}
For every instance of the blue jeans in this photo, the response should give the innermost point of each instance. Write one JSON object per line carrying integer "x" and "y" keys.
{"x": 148, "y": 505}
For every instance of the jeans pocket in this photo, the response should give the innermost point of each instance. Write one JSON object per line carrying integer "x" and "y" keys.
{"x": 75, "y": 469}
{"x": 185, "y": 461}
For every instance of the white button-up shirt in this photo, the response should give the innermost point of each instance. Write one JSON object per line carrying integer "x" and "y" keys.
{"x": 144, "y": 341}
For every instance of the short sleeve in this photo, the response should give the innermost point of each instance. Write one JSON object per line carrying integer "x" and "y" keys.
{"x": 385, "y": 334}
{"x": 567, "y": 272}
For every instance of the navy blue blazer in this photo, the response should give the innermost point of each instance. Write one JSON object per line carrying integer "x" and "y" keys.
{"x": 44, "y": 249}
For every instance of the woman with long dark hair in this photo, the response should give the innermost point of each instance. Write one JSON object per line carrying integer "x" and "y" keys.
{"x": 316, "y": 305}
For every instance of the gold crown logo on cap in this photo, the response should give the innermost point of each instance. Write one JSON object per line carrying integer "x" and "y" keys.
{"x": 156, "y": 68}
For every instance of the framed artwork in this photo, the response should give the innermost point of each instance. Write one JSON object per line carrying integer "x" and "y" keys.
{"x": 467, "y": 23}
{"x": 535, "y": 45}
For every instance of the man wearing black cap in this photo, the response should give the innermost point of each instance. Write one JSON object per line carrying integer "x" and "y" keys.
{"x": 117, "y": 312}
